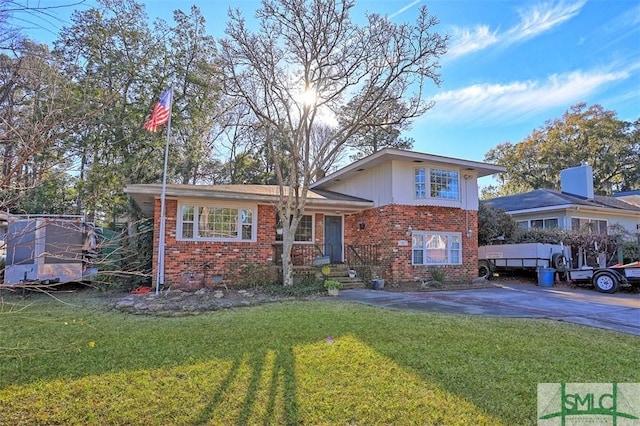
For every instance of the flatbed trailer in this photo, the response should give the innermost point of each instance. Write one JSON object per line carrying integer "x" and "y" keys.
{"x": 609, "y": 279}
{"x": 521, "y": 257}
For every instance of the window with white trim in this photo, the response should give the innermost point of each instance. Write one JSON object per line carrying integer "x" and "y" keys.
{"x": 437, "y": 183}
{"x": 436, "y": 248}
{"x": 216, "y": 223}
{"x": 550, "y": 223}
{"x": 593, "y": 226}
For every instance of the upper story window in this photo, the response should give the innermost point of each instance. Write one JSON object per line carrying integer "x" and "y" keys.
{"x": 216, "y": 223}
{"x": 593, "y": 226}
{"x": 304, "y": 233}
{"x": 437, "y": 183}
{"x": 436, "y": 248}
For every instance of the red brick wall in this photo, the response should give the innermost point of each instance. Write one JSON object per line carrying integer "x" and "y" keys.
{"x": 195, "y": 264}
{"x": 387, "y": 225}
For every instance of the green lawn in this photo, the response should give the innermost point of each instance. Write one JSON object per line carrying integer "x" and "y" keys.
{"x": 274, "y": 364}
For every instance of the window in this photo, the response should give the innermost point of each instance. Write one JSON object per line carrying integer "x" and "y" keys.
{"x": 436, "y": 248}
{"x": 443, "y": 184}
{"x": 304, "y": 233}
{"x": 216, "y": 223}
{"x": 538, "y": 223}
{"x": 589, "y": 225}
{"x": 188, "y": 221}
{"x": 551, "y": 223}
{"x": 421, "y": 183}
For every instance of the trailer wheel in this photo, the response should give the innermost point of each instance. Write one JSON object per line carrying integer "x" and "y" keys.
{"x": 484, "y": 270}
{"x": 605, "y": 282}
{"x": 559, "y": 261}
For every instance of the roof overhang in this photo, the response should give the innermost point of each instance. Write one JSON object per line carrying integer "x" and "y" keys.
{"x": 145, "y": 195}
{"x": 631, "y": 197}
{"x": 572, "y": 208}
{"x": 389, "y": 154}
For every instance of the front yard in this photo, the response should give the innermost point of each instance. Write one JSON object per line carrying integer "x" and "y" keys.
{"x": 296, "y": 362}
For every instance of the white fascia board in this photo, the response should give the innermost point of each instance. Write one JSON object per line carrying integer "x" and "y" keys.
{"x": 482, "y": 169}
{"x": 551, "y": 209}
{"x": 573, "y": 208}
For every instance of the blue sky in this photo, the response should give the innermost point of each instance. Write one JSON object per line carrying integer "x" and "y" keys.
{"x": 510, "y": 66}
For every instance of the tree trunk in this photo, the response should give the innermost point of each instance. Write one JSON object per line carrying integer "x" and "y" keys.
{"x": 287, "y": 265}
{"x": 288, "y": 239}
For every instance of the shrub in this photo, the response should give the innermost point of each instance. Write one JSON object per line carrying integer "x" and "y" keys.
{"x": 438, "y": 274}
{"x": 308, "y": 286}
{"x": 332, "y": 284}
{"x": 631, "y": 251}
{"x": 257, "y": 275}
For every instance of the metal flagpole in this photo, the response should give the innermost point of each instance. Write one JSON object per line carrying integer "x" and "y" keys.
{"x": 163, "y": 195}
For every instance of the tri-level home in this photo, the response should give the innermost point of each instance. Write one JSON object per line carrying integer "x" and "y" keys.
{"x": 400, "y": 212}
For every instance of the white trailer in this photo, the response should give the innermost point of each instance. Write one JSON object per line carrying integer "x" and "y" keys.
{"x": 607, "y": 280}
{"x": 522, "y": 257}
{"x": 49, "y": 249}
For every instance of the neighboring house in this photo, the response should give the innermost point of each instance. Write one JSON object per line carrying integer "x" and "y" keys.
{"x": 574, "y": 208}
{"x": 402, "y": 211}
{"x": 631, "y": 197}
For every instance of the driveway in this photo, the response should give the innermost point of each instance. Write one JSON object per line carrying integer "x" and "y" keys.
{"x": 619, "y": 311}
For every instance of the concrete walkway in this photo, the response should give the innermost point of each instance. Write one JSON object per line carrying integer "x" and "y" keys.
{"x": 619, "y": 311}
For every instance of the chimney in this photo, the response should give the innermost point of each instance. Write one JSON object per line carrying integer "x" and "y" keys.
{"x": 577, "y": 181}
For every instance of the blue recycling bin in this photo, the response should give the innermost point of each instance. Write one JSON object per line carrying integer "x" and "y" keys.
{"x": 546, "y": 277}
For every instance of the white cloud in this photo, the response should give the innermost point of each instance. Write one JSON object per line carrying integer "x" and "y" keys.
{"x": 502, "y": 103}
{"x": 536, "y": 20}
{"x": 404, "y": 9}
{"x": 541, "y": 18}
{"x": 467, "y": 41}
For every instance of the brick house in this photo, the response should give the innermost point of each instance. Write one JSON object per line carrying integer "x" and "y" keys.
{"x": 394, "y": 214}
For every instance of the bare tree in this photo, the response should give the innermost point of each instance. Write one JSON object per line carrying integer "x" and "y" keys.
{"x": 307, "y": 61}
{"x": 18, "y": 14}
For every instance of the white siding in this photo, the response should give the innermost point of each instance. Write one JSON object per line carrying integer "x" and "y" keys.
{"x": 404, "y": 190}
{"x": 393, "y": 183}
{"x": 373, "y": 184}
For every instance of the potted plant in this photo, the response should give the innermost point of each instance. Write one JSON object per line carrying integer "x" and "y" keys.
{"x": 333, "y": 287}
{"x": 377, "y": 283}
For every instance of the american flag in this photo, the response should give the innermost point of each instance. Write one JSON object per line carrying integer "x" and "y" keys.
{"x": 161, "y": 111}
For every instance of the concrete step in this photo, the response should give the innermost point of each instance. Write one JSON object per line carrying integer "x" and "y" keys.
{"x": 337, "y": 272}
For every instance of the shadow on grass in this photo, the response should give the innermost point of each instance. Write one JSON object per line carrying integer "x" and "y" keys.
{"x": 336, "y": 381}
{"x": 282, "y": 374}
{"x": 239, "y": 366}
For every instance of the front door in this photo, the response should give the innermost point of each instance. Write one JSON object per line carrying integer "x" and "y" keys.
{"x": 333, "y": 238}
